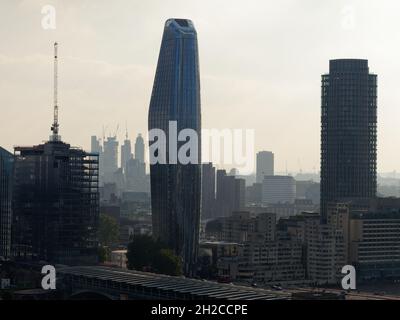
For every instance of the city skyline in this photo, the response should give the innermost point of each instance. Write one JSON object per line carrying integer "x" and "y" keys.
{"x": 267, "y": 176}
{"x": 278, "y": 85}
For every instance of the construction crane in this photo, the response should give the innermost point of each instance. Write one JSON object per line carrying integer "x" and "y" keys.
{"x": 55, "y": 125}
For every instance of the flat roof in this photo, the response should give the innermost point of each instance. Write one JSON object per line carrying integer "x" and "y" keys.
{"x": 179, "y": 285}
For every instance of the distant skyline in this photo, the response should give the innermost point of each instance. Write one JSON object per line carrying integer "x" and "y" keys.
{"x": 260, "y": 64}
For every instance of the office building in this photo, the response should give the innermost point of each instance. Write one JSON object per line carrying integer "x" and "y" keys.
{"x": 231, "y": 194}
{"x": 254, "y": 194}
{"x": 370, "y": 228}
{"x": 323, "y": 246}
{"x": 265, "y": 263}
{"x": 6, "y": 180}
{"x": 55, "y": 204}
{"x": 243, "y": 226}
{"x": 110, "y": 159}
{"x": 135, "y": 176}
{"x": 278, "y": 189}
{"x": 348, "y": 132}
{"x": 126, "y": 153}
{"x": 264, "y": 165}
{"x": 176, "y": 188}
{"x": 139, "y": 149}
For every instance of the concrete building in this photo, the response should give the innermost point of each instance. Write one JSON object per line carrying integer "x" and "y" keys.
{"x": 323, "y": 246}
{"x": 243, "y": 226}
{"x": 231, "y": 194}
{"x": 55, "y": 204}
{"x": 119, "y": 259}
{"x": 309, "y": 190}
{"x": 262, "y": 258}
{"x": 265, "y": 263}
{"x": 290, "y": 209}
{"x": 370, "y": 228}
{"x": 264, "y": 165}
{"x": 278, "y": 189}
{"x": 254, "y": 194}
{"x": 325, "y": 252}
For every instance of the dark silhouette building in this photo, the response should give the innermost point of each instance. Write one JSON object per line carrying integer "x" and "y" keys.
{"x": 348, "y": 132}
{"x": 207, "y": 191}
{"x": 6, "y": 179}
{"x": 176, "y": 188}
{"x": 231, "y": 194}
{"x": 139, "y": 149}
{"x": 126, "y": 153}
{"x": 264, "y": 165}
{"x": 55, "y": 204}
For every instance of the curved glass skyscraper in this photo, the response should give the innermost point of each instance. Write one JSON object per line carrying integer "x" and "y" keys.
{"x": 348, "y": 132}
{"x": 176, "y": 187}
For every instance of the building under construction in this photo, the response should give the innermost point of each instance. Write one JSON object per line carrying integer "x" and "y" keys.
{"x": 55, "y": 204}
{"x": 55, "y": 200}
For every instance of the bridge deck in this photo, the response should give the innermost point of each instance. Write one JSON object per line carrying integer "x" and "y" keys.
{"x": 160, "y": 286}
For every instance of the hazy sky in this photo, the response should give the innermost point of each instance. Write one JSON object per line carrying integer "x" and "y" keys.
{"x": 261, "y": 64}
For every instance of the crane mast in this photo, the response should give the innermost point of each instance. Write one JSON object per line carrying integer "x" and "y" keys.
{"x": 55, "y": 125}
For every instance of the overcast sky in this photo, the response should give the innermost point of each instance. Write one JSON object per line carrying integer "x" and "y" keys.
{"x": 260, "y": 64}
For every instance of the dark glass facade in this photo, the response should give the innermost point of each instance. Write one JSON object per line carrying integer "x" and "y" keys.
{"x": 55, "y": 204}
{"x": 348, "y": 132}
{"x": 207, "y": 191}
{"x": 176, "y": 188}
{"x": 6, "y": 173}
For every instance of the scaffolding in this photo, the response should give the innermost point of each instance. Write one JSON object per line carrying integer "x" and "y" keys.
{"x": 56, "y": 204}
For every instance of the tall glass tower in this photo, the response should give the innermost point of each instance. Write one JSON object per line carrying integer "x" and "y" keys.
{"x": 6, "y": 179}
{"x": 176, "y": 188}
{"x": 348, "y": 132}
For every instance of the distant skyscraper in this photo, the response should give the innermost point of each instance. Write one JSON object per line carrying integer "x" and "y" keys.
{"x": 6, "y": 178}
{"x": 279, "y": 189}
{"x": 265, "y": 165}
{"x": 139, "y": 148}
{"x": 95, "y": 145}
{"x": 126, "y": 153}
{"x": 348, "y": 132}
{"x": 208, "y": 190}
{"x": 254, "y": 194}
{"x": 55, "y": 204}
{"x": 135, "y": 176}
{"x": 110, "y": 159}
{"x": 240, "y": 194}
{"x": 176, "y": 188}
{"x": 231, "y": 194}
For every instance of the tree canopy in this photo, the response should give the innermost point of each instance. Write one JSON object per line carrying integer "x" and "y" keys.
{"x": 145, "y": 253}
{"x": 108, "y": 230}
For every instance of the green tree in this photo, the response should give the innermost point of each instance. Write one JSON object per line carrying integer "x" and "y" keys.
{"x": 108, "y": 230}
{"x": 145, "y": 252}
{"x": 141, "y": 251}
{"x": 108, "y": 235}
{"x": 102, "y": 253}
{"x": 167, "y": 263}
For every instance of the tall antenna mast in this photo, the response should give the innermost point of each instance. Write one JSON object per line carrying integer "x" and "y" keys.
{"x": 55, "y": 125}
